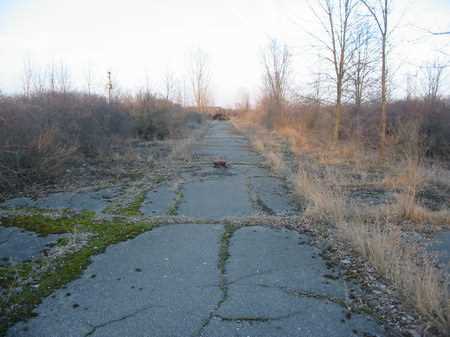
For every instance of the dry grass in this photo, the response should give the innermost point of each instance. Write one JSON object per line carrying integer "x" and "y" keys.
{"x": 409, "y": 175}
{"x": 323, "y": 179}
{"x": 275, "y": 161}
{"x": 373, "y": 236}
{"x": 263, "y": 142}
{"x": 405, "y": 265}
{"x": 325, "y": 197}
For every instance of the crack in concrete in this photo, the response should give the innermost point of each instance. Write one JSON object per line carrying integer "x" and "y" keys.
{"x": 224, "y": 255}
{"x": 308, "y": 294}
{"x": 253, "y": 319}
{"x": 224, "y": 284}
{"x": 263, "y": 206}
{"x": 251, "y": 276}
{"x": 256, "y": 200}
{"x": 94, "y": 328}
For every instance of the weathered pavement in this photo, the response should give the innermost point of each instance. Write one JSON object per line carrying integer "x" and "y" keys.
{"x": 208, "y": 279}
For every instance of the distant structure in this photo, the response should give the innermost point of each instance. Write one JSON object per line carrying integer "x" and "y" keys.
{"x": 109, "y": 87}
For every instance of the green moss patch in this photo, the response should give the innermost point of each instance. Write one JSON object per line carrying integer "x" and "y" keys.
{"x": 19, "y": 305}
{"x": 133, "y": 208}
{"x": 45, "y": 225}
{"x": 224, "y": 251}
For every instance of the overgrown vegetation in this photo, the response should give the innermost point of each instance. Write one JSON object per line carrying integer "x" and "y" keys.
{"x": 369, "y": 201}
{"x": 45, "y": 133}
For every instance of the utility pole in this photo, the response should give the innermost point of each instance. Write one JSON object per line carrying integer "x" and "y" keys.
{"x": 109, "y": 87}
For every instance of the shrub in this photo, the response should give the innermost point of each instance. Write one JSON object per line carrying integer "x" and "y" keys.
{"x": 40, "y": 135}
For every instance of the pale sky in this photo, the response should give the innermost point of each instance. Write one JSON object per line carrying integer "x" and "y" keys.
{"x": 140, "y": 40}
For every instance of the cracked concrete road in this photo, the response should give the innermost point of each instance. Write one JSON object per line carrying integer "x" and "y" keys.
{"x": 193, "y": 280}
{"x": 245, "y": 188}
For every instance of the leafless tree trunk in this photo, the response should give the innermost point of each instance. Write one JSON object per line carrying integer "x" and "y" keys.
{"x": 52, "y": 77}
{"x": 200, "y": 78}
{"x": 361, "y": 69}
{"x": 276, "y": 61}
{"x": 39, "y": 81}
{"x": 27, "y": 79}
{"x": 337, "y": 26}
{"x": 169, "y": 85}
{"x": 380, "y": 13}
{"x": 63, "y": 78}
{"x": 361, "y": 65}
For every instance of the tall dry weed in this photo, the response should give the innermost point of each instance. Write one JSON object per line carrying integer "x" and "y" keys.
{"x": 326, "y": 200}
{"x": 407, "y": 266}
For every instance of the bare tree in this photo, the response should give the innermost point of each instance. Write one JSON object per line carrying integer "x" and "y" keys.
{"x": 411, "y": 86}
{"x": 338, "y": 25}
{"x": 433, "y": 77}
{"x": 361, "y": 72}
{"x": 380, "y": 13}
{"x": 27, "y": 78}
{"x": 169, "y": 85}
{"x": 200, "y": 79}
{"x": 39, "y": 81}
{"x": 276, "y": 59}
{"x": 361, "y": 64}
{"x": 51, "y": 69}
{"x": 317, "y": 89}
{"x": 63, "y": 78}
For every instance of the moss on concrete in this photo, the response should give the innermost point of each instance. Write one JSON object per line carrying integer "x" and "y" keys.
{"x": 20, "y": 304}
{"x": 133, "y": 208}
{"x": 44, "y": 225}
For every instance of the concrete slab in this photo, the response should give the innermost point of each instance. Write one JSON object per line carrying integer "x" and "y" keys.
{"x": 278, "y": 259}
{"x": 162, "y": 283}
{"x": 223, "y": 142}
{"x": 272, "y": 195}
{"x": 158, "y": 201}
{"x": 18, "y": 245}
{"x": 312, "y": 318}
{"x": 216, "y": 198}
{"x": 277, "y": 287}
{"x": 95, "y": 201}
{"x": 21, "y": 202}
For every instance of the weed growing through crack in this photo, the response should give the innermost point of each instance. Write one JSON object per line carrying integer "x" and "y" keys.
{"x": 173, "y": 209}
{"x": 133, "y": 208}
